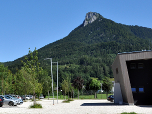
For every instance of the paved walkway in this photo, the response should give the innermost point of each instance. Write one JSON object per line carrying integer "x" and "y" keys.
{"x": 75, "y": 107}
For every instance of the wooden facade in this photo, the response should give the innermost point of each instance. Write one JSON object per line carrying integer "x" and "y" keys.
{"x": 127, "y": 76}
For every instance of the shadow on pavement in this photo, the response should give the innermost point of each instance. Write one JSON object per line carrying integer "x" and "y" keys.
{"x": 145, "y": 106}
{"x": 98, "y": 104}
{"x": 6, "y": 106}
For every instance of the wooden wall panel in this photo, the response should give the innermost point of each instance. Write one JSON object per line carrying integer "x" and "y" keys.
{"x": 122, "y": 77}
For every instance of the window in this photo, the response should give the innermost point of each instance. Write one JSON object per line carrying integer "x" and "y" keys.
{"x": 133, "y": 89}
{"x": 141, "y": 89}
{"x": 140, "y": 65}
{"x": 132, "y": 66}
{"x": 116, "y": 70}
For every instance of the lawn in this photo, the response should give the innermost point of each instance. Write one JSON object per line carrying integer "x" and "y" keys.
{"x": 99, "y": 96}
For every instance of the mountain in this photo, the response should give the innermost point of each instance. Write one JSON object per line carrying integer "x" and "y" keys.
{"x": 93, "y": 45}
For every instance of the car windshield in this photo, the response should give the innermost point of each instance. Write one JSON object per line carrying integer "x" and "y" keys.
{"x": 14, "y": 97}
{"x": 7, "y": 97}
{"x": 2, "y": 97}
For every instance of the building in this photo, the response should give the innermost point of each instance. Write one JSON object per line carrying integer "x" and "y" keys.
{"x": 133, "y": 78}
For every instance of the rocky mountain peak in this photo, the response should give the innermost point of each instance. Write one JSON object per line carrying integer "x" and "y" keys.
{"x": 90, "y": 17}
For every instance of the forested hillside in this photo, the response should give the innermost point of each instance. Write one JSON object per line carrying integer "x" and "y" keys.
{"x": 88, "y": 51}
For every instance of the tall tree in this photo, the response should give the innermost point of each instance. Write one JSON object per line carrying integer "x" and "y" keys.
{"x": 78, "y": 84}
{"x": 32, "y": 67}
{"x": 25, "y": 80}
{"x": 3, "y": 75}
{"x": 107, "y": 85}
{"x": 71, "y": 89}
{"x": 95, "y": 85}
{"x": 46, "y": 81}
{"x": 65, "y": 87}
{"x": 69, "y": 84}
{"x": 39, "y": 88}
{"x": 9, "y": 83}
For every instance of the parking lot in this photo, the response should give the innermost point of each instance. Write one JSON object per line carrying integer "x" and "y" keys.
{"x": 75, "y": 107}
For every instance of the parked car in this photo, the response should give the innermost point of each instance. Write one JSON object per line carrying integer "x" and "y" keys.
{"x": 111, "y": 98}
{"x": 100, "y": 91}
{"x": 21, "y": 101}
{"x": 8, "y": 101}
{"x": 30, "y": 96}
{"x": 1, "y": 101}
{"x": 41, "y": 96}
{"x": 14, "y": 98}
{"x": 25, "y": 97}
{"x": 17, "y": 97}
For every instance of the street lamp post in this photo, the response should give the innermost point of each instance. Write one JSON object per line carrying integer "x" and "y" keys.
{"x": 51, "y": 77}
{"x": 101, "y": 90}
{"x": 57, "y": 82}
{"x": 57, "y": 79}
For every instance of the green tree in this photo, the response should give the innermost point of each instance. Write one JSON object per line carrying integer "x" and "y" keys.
{"x": 18, "y": 81}
{"x": 95, "y": 85}
{"x": 46, "y": 81}
{"x": 3, "y": 75}
{"x": 78, "y": 84}
{"x": 65, "y": 87}
{"x": 107, "y": 85}
{"x": 71, "y": 88}
{"x": 26, "y": 78}
{"x": 9, "y": 83}
{"x": 39, "y": 89}
{"x": 69, "y": 84}
{"x": 32, "y": 67}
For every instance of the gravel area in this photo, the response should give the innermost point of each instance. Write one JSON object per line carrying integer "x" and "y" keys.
{"x": 75, "y": 107}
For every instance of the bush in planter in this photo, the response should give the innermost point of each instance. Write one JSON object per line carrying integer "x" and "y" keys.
{"x": 70, "y": 100}
{"x": 67, "y": 101}
{"x": 128, "y": 113}
{"x": 36, "y": 106}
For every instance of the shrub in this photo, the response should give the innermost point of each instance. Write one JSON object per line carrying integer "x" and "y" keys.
{"x": 67, "y": 101}
{"x": 36, "y": 99}
{"x": 70, "y": 100}
{"x": 36, "y": 106}
{"x": 128, "y": 113}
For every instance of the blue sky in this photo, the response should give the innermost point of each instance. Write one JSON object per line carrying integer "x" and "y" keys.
{"x": 28, "y": 24}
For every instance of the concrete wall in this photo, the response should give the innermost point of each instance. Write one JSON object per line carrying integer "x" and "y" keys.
{"x": 117, "y": 94}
